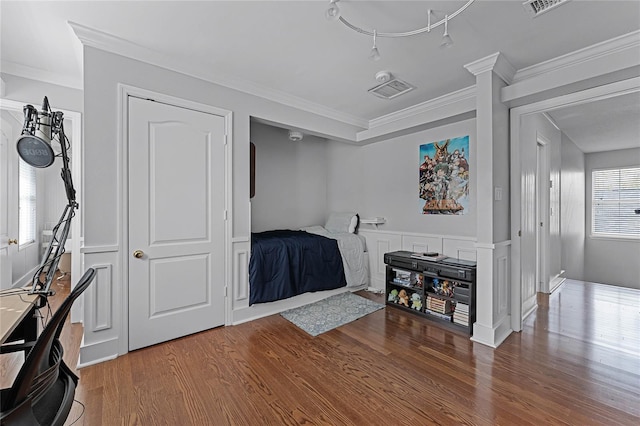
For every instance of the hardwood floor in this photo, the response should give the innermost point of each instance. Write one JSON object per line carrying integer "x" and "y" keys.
{"x": 577, "y": 361}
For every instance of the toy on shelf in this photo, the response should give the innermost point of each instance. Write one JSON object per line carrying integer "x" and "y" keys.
{"x": 393, "y": 296}
{"x": 416, "y": 301}
{"x": 447, "y": 289}
{"x": 403, "y": 298}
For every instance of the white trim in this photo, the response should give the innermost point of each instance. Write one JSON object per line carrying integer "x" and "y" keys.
{"x": 110, "y": 43}
{"x": 400, "y": 120}
{"x": 492, "y": 337}
{"x": 99, "y": 249}
{"x": 597, "y": 93}
{"x": 102, "y": 288}
{"x": 624, "y": 42}
{"x": 425, "y": 107}
{"x": 493, "y": 246}
{"x": 38, "y": 74}
{"x": 495, "y": 62}
{"x": 241, "y": 239}
{"x": 594, "y": 61}
{"x": 543, "y": 200}
{"x": 417, "y": 234}
{"x": 124, "y": 92}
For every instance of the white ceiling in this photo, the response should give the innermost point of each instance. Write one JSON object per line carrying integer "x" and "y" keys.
{"x": 608, "y": 124}
{"x": 288, "y": 47}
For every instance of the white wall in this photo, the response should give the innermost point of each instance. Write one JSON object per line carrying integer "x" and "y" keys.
{"x": 106, "y": 310}
{"x": 607, "y": 260}
{"x": 345, "y": 181}
{"x": 390, "y": 171}
{"x": 572, "y": 210}
{"x": 291, "y": 180}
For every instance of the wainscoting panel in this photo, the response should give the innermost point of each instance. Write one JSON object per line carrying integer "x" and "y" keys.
{"x": 421, "y": 244}
{"x": 502, "y": 276}
{"x": 105, "y": 307}
{"x": 459, "y": 248}
{"x": 240, "y": 276}
{"x": 102, "y": 298}
{"x": 381, "y": 242}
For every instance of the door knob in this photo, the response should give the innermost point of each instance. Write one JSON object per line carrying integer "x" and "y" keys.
{"x": 13, "y": 241}
{"x": 138, "y": 254}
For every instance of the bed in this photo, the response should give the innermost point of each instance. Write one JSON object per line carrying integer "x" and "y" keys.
{"x": 286, "y": 263}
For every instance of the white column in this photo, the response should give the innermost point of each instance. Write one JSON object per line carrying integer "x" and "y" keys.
{"x": 492, "y": 324}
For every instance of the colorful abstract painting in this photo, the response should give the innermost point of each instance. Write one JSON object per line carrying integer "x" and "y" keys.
{"x": 444, "y": 177}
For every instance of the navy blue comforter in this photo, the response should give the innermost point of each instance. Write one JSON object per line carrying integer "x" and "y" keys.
{"x": 286, "y": 263}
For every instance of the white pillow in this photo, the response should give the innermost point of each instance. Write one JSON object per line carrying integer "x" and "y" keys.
{"x": 342, "y": 223}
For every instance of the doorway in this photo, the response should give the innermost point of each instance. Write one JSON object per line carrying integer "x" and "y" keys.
{"x": 522, "y": 203}
{"x": 542, "y": 213}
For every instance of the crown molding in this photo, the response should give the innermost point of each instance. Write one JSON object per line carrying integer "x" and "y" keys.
{"x": 551, "y": 120}
{"x": 425, "y": 107}
{"x": 113, "y": 44}
{"x": 483, "y": 64}
{"x": 628, "y": 42}
{"x": 495, "y": 62}
{"x": 41, "y": 75}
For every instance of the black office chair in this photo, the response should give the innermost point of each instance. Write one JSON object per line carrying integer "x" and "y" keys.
{"x": 43, "y": 391}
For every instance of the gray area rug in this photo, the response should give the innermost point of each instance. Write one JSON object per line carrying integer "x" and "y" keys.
{"x": 334, "y": 311}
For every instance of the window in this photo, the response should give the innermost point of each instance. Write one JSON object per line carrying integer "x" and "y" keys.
{"x": 27, "y": 218}
{"x": 615, "y": 201}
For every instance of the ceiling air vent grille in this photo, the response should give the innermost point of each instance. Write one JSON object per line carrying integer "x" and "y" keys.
{"x": 391, "y": 89}
{"x": 538, "y": 7}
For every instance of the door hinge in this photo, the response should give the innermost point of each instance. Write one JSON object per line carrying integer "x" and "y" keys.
{"x": 519, "y": 233}
{"x": 226, "y": 215}
{"x": 225, "y": 290}
{"x": 226, "y": 137}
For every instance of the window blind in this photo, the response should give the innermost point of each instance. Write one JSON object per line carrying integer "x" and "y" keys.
{"x": 615, "y": 199}
{"x": 27, "y": 217}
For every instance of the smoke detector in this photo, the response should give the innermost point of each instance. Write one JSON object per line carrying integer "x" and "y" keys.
{"x": 383, "y": 76}
{"x": 538, "y": 7}
{"x": 295, "y": 135}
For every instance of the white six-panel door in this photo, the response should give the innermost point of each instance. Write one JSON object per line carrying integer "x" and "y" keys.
{"x": 176, "y": 222}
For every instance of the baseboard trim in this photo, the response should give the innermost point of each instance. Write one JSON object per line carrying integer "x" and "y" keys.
{"x": 261, "y": 310}
{"x": 492, "y": 336}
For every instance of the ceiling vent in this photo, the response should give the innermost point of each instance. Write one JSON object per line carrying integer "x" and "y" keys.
{"x": 538, "y": 7}
{"x": 392, "y": 89}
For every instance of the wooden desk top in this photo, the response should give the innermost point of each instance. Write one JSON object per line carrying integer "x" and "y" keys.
{"x": 13, "y": 308}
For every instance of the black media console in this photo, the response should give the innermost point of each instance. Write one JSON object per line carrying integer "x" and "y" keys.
{"x": 439, "y": 288}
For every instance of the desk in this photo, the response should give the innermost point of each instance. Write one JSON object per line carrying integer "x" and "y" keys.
{"x": 16, "y": 311}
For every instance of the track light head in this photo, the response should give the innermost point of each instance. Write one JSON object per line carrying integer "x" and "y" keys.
{"x": 374, "y": 55}
{"x": 333, "y": 13}
{"x": 446, "y": 38}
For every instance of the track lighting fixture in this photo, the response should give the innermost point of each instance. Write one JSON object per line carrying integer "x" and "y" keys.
{"x": 334, "y": 14}
{"x": 374, "y": 55}
{"x": 446, "y": 38}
